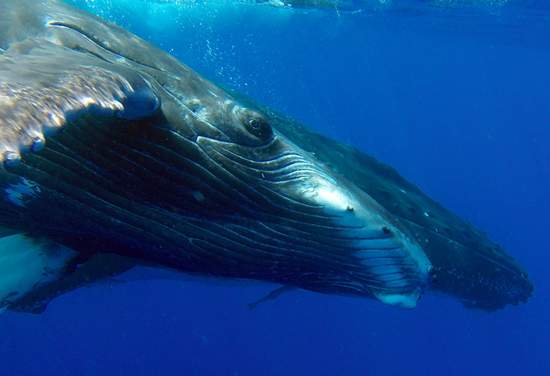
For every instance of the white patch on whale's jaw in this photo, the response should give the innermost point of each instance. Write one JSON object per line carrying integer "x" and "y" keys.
{"x": 326, "y": 193}
{"x": 400, "y": 300}
{"x": 386, "y": 252}
{"x": 26, "y": 263}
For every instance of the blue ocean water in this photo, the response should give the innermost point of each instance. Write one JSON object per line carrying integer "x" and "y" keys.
{"x": 454, "y": 94}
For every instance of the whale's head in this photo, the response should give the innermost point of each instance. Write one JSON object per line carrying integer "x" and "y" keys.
{"x": 113, "y": 146}
{"x": 305, "y": 210}
{"x": 280, "y": 213}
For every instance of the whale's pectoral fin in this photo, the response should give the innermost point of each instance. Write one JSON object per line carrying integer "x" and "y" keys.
{"x": 44, "y": 87}
{"x": 40, "y": 272}
{"x": 27, "y": 264}
{"x": 99, "y": 267}
{"x": 272, "y": 295}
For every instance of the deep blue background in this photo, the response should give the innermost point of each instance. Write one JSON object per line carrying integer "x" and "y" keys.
{"x": 457, "y": 99}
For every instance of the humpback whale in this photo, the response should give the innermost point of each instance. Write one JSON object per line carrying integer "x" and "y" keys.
{"x": 115, "y": 155}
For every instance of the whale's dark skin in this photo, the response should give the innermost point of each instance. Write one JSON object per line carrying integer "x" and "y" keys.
{"x": 120, "y": 155}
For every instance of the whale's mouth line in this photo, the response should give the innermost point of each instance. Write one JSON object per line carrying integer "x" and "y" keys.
{"x": 224, "y": 139}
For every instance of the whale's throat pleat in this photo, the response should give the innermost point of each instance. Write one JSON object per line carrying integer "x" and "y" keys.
{"x": 96, "y": 180}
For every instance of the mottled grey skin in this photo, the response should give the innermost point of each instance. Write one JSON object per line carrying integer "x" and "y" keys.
{"x": 128, "y": 157}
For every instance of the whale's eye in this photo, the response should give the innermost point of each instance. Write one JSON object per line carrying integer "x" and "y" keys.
{"x": 258, "y": 126}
